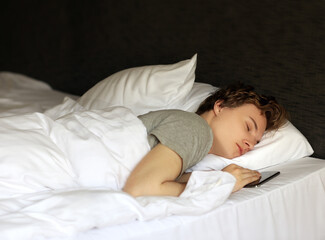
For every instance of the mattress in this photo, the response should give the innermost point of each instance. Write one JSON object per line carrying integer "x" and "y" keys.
{"x": 290, "y": 206}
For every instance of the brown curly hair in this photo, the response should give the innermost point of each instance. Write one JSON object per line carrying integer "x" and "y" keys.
{"x": 238, "y": 94}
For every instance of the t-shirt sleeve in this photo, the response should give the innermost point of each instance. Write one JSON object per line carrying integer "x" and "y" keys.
{"x": 186, "y": 133}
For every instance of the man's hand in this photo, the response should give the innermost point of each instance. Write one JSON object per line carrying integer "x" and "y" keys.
{"x": 243, "y": 175}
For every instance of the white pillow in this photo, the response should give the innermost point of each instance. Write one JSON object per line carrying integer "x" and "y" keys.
{"x": 143, "y": 89}
{"x": 198, "y": 93}
{"x": 12, "y": 81}
{"x": 285, "y": 144}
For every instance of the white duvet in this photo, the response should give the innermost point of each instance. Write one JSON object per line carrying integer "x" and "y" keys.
{"x": 62, "y": 172}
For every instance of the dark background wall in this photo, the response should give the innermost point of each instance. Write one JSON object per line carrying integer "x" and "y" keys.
{"x": 278, "y": 46}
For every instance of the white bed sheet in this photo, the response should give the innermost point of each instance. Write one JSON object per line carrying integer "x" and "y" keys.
{"x": 291, "y": 206}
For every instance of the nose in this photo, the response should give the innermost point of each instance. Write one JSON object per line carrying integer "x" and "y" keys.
{"x": 249, "y": 145}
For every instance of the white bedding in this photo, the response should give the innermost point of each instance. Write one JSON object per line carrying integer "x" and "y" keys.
{"x": 21, "y": 94}
{"x": 60, "y": 175}
{"x": 51, "y": 151}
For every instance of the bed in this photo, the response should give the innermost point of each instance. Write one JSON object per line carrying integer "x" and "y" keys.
{"x": 68, "y": 67}
{"x": 67, "y": 158}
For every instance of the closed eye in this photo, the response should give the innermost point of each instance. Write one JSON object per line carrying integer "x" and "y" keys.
{"x": 254, "y": 123}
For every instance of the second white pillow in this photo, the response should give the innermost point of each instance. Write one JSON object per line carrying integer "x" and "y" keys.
{"x": 143, "y": 89}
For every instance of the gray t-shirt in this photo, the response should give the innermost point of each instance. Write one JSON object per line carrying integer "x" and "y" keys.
{"x": 186, "y": 133}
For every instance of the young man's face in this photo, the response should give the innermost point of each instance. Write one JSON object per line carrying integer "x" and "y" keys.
{"x": 236, "y": 130}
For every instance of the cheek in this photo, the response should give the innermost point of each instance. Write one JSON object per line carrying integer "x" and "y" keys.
{"x": 225, "y": 128}
{"x": 231, "y": 127}
{"x": 225, "y": 137}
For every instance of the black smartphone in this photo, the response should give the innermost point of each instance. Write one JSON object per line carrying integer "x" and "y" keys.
{"x": 265, "y": 177}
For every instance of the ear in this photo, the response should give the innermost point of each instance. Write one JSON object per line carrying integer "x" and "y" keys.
{"x": 217, "y": 107}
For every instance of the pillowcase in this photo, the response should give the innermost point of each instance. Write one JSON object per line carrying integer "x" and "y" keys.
{"x": 143, "y": 89}
{"x": 285, "y": 144}
{"x": 198, "y": 93}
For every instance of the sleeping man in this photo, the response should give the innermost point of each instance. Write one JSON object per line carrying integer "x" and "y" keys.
{"x": 228, "y": 123}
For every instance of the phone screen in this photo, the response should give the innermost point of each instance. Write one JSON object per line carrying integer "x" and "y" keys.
{"x": 265, "y": 176}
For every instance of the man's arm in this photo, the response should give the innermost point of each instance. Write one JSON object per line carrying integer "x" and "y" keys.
{"x": 156, "y": 173}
